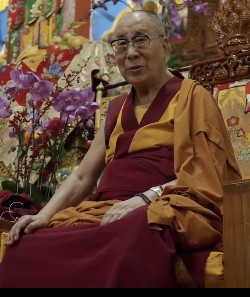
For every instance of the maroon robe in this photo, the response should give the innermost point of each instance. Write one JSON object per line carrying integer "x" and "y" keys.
{"x": 122, "y": 254}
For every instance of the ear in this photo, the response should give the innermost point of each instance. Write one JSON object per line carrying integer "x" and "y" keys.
{"x": 165, "y": 45}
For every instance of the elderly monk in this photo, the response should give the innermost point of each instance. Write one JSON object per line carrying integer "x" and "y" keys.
{"x": 163, "y": 155}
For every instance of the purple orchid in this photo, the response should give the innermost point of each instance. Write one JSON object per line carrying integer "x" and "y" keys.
{"x": 90, "y": 123}
{"x": 41, "y": 90}
{"x": 88, "y": 95}
{"x": 76, "y": 104}
{"x": 38, "y": 137}
{"x": 84, "y": 112}
{"x": 4, "y": 107}
{"x": 67, "y": 101}
{"x": 20, "y": 81}
{"x": 200, "y": 8}
{"x": 12, "y": 133}
{"x": 175, "y": 19}
{"x": 12, "y": 87}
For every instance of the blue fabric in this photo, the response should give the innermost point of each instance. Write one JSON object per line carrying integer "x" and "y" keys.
{"x": 3, "y": 27}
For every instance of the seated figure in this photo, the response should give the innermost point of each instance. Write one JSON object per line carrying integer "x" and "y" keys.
{"x": 163, "y": 155}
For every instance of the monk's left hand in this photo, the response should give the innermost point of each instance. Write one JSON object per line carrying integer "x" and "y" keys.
{"x": 121, "y": 209}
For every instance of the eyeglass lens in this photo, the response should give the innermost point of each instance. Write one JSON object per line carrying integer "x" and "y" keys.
{"x": 137, "y": 41}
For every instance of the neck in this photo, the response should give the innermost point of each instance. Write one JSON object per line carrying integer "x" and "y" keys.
{"x": 146, "y": 94}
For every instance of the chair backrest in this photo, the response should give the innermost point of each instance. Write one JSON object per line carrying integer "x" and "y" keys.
{"x": 105, "y": 93}
{"x": 237, "y": 234}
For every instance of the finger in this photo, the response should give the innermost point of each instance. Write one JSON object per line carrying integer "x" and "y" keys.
{"x": 14, "y": 233}
{"x": 106, "y": 219}
{"x": 111, "y": 217}
{"x": 34, "y": 225}
{"x": 115, "y": 217}
{"x": 107, "y": 215}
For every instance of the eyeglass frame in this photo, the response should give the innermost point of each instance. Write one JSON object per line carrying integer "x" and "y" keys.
{"x": 131, "y": 41}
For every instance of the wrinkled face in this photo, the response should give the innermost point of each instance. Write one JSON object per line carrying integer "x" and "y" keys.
{"x": 140, "y": 65}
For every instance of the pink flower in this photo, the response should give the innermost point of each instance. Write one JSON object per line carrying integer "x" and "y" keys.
{"x": 233, "y": 121}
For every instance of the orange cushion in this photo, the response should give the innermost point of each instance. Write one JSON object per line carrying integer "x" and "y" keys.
{"x": 214, "y": 272}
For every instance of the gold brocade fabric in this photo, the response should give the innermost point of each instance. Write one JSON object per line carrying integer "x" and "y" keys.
{"x": 233, "y": 102}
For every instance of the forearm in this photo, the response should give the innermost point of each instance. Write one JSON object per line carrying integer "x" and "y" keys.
{"x": 122, "y": 208}
{"x": 70, "y": 193}
{"x": 151, "y": 195}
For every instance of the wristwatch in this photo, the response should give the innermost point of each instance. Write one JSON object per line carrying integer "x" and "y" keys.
{"x": 158, "y": 190}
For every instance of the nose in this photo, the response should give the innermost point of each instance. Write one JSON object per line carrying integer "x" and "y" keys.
{"x": 131, "y": 49}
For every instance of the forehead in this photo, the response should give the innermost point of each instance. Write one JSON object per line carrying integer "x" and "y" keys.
{"x": 133, "y": 23}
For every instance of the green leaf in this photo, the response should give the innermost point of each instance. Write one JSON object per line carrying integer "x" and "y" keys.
{"x": 173, "y": 61}
{"x": 11, "y": 186}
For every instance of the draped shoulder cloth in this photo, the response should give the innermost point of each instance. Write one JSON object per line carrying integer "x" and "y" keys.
{"x": 203, "y": 161}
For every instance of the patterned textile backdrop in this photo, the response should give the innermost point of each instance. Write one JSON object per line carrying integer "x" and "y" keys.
{"x": 234, "y": 101}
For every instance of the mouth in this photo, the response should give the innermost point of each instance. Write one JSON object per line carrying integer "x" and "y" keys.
{"x": 135, "y": 68}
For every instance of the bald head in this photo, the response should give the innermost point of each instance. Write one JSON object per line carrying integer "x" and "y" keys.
{"x": 150, "y": 18}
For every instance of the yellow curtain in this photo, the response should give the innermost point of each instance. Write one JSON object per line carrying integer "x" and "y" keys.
{"x": 3, "y": 4}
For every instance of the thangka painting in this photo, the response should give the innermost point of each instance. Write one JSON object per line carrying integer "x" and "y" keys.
{"x": 31, "y": 23}
{"x": 234, "y": 101}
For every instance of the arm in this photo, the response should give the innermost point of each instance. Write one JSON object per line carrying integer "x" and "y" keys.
{"x": 72, "y": 191}
{"x": 81, "y": 182}
{"x": 121, "y": 209}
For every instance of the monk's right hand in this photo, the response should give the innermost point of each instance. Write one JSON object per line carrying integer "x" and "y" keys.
{"x": 27, "y": 224}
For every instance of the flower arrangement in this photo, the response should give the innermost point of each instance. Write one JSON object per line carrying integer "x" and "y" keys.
{"x": 39, "y": 116}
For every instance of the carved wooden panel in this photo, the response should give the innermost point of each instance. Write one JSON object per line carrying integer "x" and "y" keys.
{"x": 199, "y": 42}
{"x": 232, "y": 26}
{"x": 221, "y": 70}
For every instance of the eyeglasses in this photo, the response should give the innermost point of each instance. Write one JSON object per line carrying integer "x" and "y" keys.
{"x": 139, "y": 42}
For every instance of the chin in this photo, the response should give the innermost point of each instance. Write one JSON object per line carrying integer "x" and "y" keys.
{"x": 136, "y": 80}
